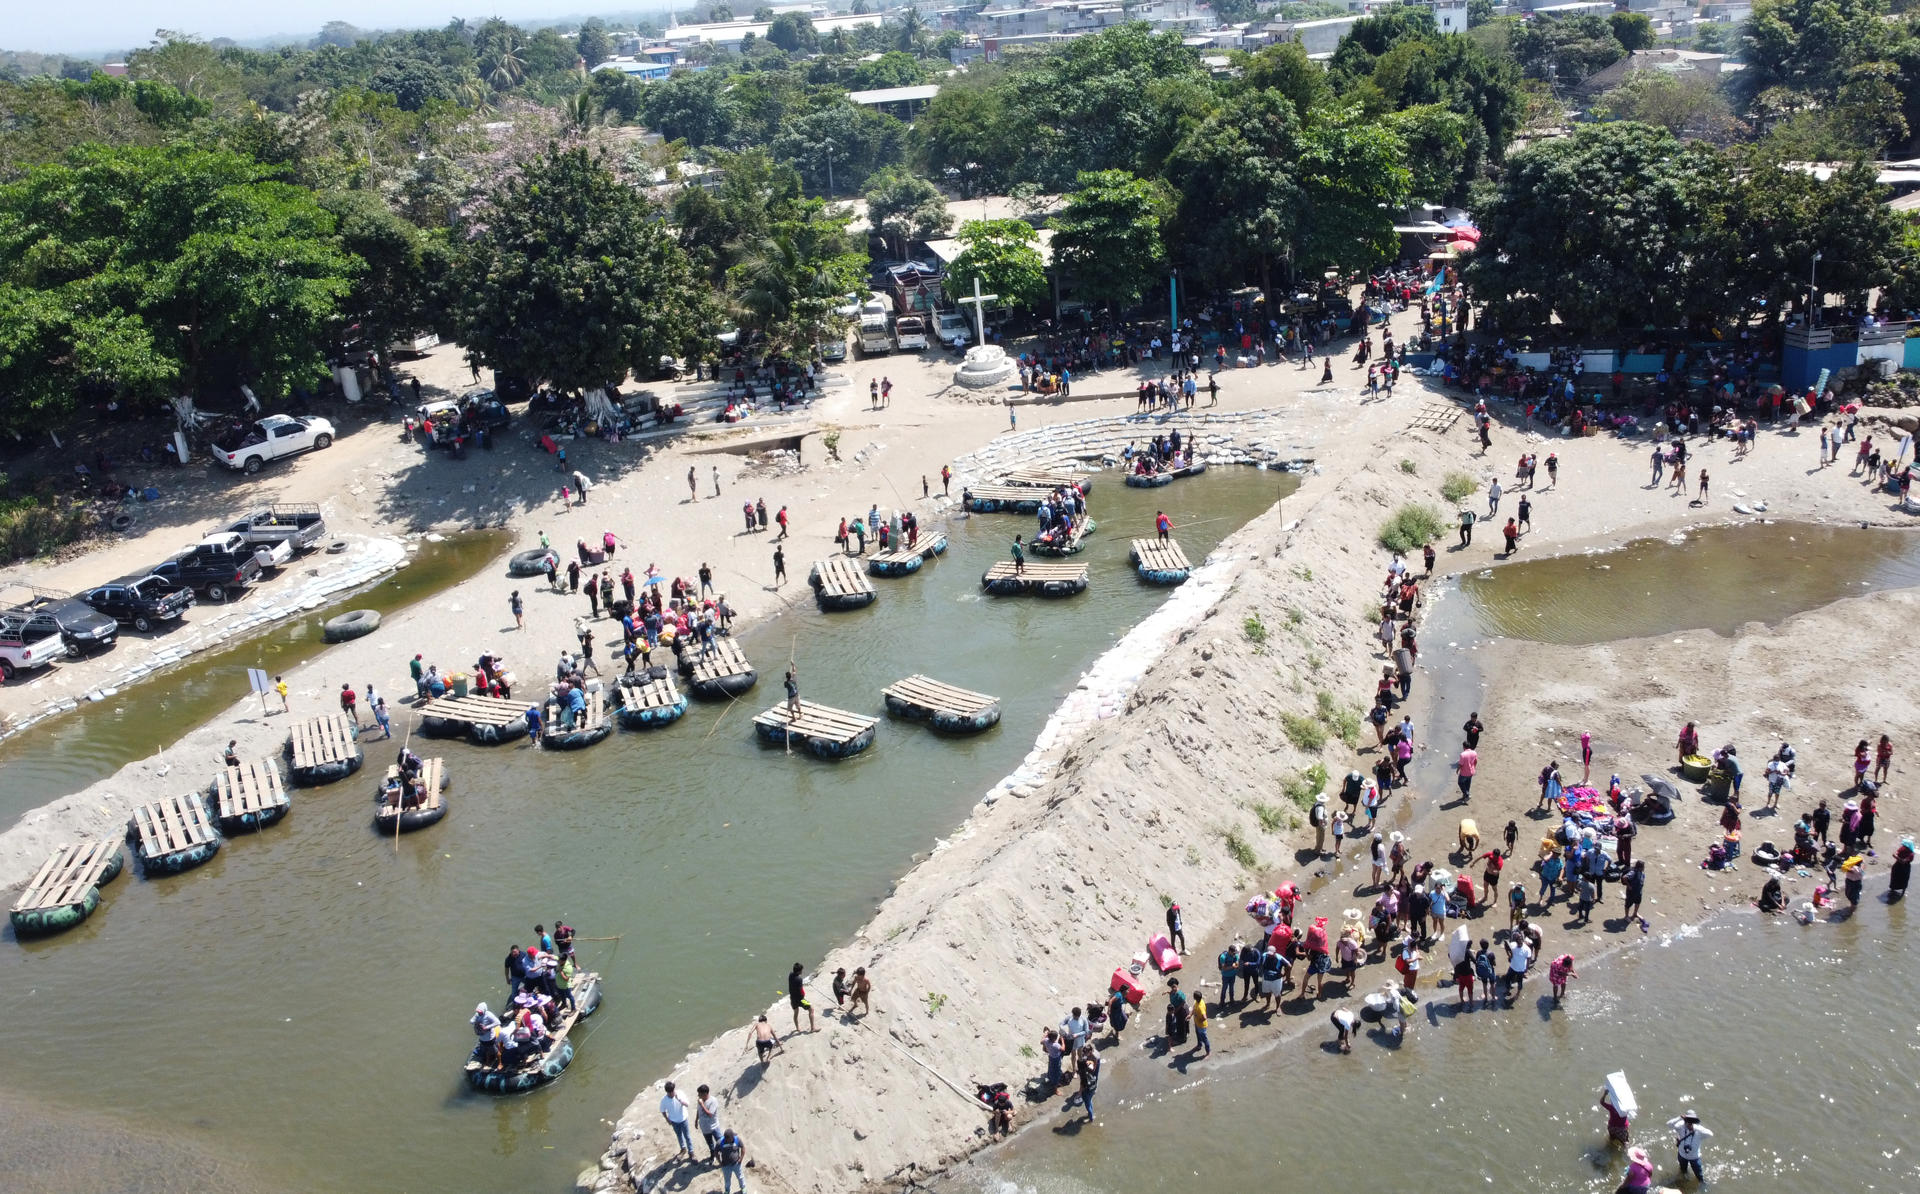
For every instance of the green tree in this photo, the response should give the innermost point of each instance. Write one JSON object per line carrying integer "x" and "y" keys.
{"x": 1632, "y": 30}
{"x": 910, "y": 30}
{"x": 969, "y": 133}
{"x": 1565, "y": 50}
{"x": 1353, "y": 178}
{"x": 1689, "y": 106}
{"x": 839, "y": 144}
{"x": 789, "y": 283}
{"x": 1782, "y": 216}
{"x": 1285, "y": 67}
{"x": 413, "y": 82}
{"x": 1005, "y": 256}
{"x": 158, "y": 272}
{"x": 592, "y": 42}
{"x": 763, "y": 14}
{"x": 573, "y": 279}
{"x": 1445, "y": 150}
{"x": 1108, "y": 239}
{"x": 399, "y": 268}
{"x": 794, "y": 33}
{"x": 1479, "y": 12}
{"x": 1809, "y": 46}
{"x": 720, "y": 13}
{"x": 694, "y": 108}
{"x": 1605, "y": 230}
{"x": 1240, "y": 195}
{"x": 891, "y": 69}
{"x": 903, "y": 207}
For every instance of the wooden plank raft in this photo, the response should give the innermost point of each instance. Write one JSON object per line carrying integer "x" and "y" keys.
{"x": 66, "y": 888}
{"x": 838, "y": 583}
{"x": 1004, "y": 499}
{"x": 1046, "y": 580}
{"x": 322, "y": 749}
{"x": 825, "y": 731}
{"x": 173, "y": 834}
{"x": 647, "y": 702}
{"x": 1436, "y": 416}
{"x": 590, "y": 727}
{"x": 724, "y": 672}
{"x": 1046, "y": 478}
{"x": 948, "y": 708}
{"x": 902, "y": 561}
{"x": 484, "y": 719}
{"x": 1162, "y": 563}
{"x": 249, "y": 796}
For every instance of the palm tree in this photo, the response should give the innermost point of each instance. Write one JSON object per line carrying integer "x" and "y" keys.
{"x": 581, "y": 112}
{"x": 913, "y": 30}
{"x": 503, "y": 66}
{"x": 777, "y": 290}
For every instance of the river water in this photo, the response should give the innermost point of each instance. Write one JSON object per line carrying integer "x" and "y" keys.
{"x": 298, "y": 1006}
{"x": 1798, "y": 1045}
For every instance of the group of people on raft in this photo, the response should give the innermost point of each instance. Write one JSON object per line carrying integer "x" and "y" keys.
{"x": 1163, "y": 453}
{"x": 897, "y": 530}
{"x": 1062, "y": 513}
{"x": 540, "y": 983}
{"x": 408, "y": 788}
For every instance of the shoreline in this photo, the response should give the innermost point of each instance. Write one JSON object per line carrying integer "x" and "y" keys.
{"x": 982, "y": 892}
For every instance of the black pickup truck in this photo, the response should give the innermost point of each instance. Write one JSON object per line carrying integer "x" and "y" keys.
{"x": 218, "y": 574}
{"x": 140, "y": 601}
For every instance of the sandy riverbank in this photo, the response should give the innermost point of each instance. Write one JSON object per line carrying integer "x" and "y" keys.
{"x": 1028, "y": 907}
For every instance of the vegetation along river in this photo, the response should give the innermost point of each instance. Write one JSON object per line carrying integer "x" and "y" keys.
{"x": 298, "y": 1005}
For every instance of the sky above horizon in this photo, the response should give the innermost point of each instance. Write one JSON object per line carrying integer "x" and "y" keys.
{"x": 121, "y": 25}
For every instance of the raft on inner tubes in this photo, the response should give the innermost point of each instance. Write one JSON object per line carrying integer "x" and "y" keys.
{"x": 838, "y": 584}
{"x": 1149, "y": 480}
{"x": 719, "y": 674}
{"x": 323, "y": 749}
{"x": 947, "y": 708}
{"x": 825, "y": 732}
{"x": 432, "y": 805}
{"x": 1074, "y": 544}
{"x": 523, "y": 1074}
{"x": 1004, "y": 499}
{"x": 1160, "y": 562}
{"x": 172, "y": 834}
{"x": 905, "y": 561}
{"x": 66, "y": 888}
{"x": 1044, "y": 580}
{"x": 650, "y": 701}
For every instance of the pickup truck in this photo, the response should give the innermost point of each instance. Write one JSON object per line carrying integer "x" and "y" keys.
{"x": 299, "y": 527}
{"x": 139, "y": 601}
{"x": 26, "y": 647}
{"x": 219, "y": 574}
{"x": 274, "y": 554}
{"x": 249, "y": 446}
{"x": 910, "y": 333}
{"x": 874, "y": 339}
{"x": 81, "y": 628}
{"x": 955, "y": 330}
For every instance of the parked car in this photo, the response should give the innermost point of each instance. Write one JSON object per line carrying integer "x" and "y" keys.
{"x": 141, "y": 602}
{"x": 81, "y": 628}
{"x": 954, "y": 329}
{"x": 253, "y": 444}
{"x": 832, "y": 351}
{"x": 299, "y": 527}
{"x": 26, "y": 646}
{"x": 275, "y": 554}
{"x": 910, "y": 333}
{"x": 218, "y": 574}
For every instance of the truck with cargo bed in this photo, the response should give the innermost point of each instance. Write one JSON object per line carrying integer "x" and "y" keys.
{"x": 299, "y": 527}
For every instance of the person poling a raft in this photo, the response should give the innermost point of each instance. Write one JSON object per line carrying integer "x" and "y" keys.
{"x": 406, "y": 789}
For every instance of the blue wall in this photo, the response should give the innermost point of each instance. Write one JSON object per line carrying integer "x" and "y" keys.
{"x": 1800, "y": 368}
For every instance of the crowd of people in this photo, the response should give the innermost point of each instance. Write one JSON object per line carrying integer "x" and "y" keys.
{"x": 540, "y": 981}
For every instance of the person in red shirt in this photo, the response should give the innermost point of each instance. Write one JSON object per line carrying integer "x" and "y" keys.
{"x": 1469, "y": 763}
{"x": 1162, "y": 524}
{"x": 349, "y": 704}
{"x": 1491, "y": 874}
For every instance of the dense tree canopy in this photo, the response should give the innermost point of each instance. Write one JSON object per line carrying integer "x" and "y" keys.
{"x": 1108, "y": 240}
{"x": 162, "y": 271}
{"x": 1004, "y": 255}
{"x": 572, "y": 279}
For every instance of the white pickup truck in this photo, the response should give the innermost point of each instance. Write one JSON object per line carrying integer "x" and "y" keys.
{"x": 250, "y": 446}
{"x": 874, "y": 338}
{"x": 27, "y": 645}
{"x": 910, "y": 333}
{"x": 300, "y": 527}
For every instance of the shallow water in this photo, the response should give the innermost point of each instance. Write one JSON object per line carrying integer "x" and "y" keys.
{"x": 1716, "y": 578}
{"x": 1797, "y": 1046}
{"x": 69, "y": 752}
{"x": 299, "y": 1004}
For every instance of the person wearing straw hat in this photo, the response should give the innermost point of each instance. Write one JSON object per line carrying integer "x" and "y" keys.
{"x": 1318, "y": 819}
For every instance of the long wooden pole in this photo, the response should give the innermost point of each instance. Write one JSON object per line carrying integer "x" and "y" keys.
{"x": 403, "y": 788}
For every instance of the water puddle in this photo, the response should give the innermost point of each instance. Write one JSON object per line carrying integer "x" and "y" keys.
{"x": 1718, "y": 578}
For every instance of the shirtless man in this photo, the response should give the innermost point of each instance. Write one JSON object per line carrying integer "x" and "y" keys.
{"x": 765, "y": 1039}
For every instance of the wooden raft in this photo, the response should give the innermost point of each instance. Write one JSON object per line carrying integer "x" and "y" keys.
{"x": 726, "y": 659}
{"x": 1035, "y": 574}
{"x": 821, "y": 723}
{"x": 1436, "y": 416}
{"x": 929, "y": 693}
{"x": 840, "y": 584}
{"x": 249, "y": 793}
{"x": 1019, "y": 495}
{"x": 319, "y": 741}
{"x": 475, "y": 710}
{"x": 64, "y": 879}
{"x": 1043, "y": 478}
{"x": 593, "y": 716}
{"x": 636, "y": 693}
{"x": 171, "y": 825}
{"x": 928, "y": 547}
{"x": 1156, "y": 556}
{"x": 433, "y": 781}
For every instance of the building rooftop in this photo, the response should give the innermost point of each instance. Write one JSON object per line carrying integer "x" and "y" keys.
{"x": 895, "y": 95}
